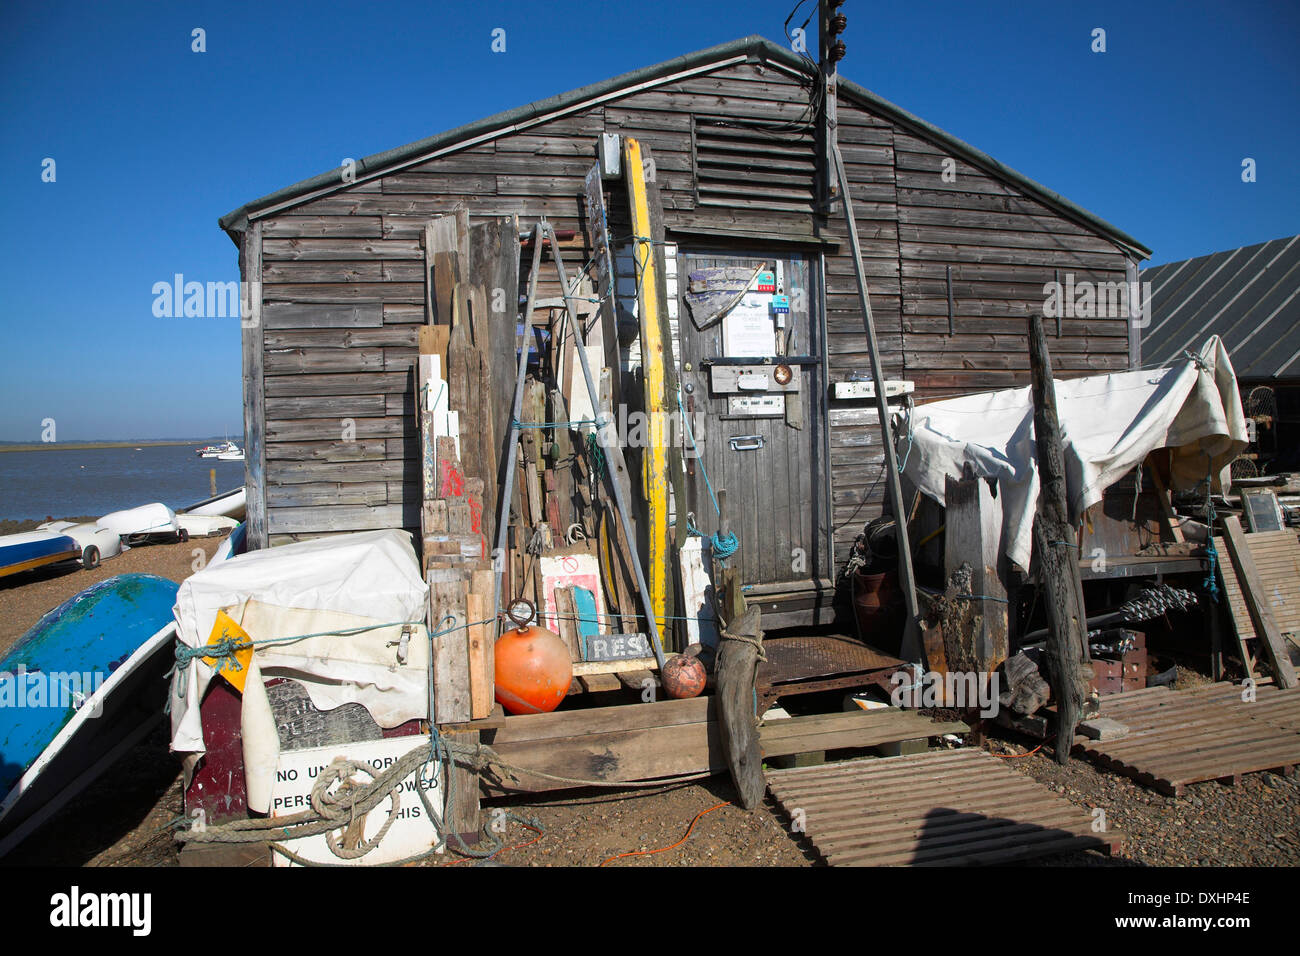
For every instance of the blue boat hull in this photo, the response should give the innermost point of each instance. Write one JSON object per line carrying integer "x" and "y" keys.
{"x": 23, "y": 555}
{"x": 69, "y": 661}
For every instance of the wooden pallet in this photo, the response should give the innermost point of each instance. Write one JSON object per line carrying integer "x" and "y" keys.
{"x": 943, "y": 808}
{"x": 1181, "y": 737}
{"x": 1273, "y": 580}
{"x": 854, "y": 729}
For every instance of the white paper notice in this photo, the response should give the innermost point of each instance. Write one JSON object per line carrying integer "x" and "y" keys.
{"x": 747, "y": 330}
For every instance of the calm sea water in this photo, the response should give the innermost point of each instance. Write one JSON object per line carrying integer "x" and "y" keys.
{"x": 95, "y": 481}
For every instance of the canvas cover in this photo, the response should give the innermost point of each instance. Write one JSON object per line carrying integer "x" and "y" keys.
{"x": 327, "y": 584}
{"x": 1109, "y": 424}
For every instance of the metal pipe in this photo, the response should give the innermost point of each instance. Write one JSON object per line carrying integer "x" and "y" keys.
{"x": 498, "y": 555}
{"x": 911, "y": 648}
{"x": 611, "y": 449}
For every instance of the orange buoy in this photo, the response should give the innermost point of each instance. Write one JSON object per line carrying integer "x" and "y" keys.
{"x": 684, "y": 677}
{"x": 533, "y": 667}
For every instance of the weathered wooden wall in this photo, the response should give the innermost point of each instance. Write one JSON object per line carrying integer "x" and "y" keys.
{"x": 344, "y": 287}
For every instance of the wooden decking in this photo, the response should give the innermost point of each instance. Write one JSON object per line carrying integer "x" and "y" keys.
{"x": 1210, "y": 733}
{"x": 938, "y": 808}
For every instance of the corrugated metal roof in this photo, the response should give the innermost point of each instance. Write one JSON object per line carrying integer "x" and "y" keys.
{"x": 755, "y": 48}
{"x": 1249, "y": 297}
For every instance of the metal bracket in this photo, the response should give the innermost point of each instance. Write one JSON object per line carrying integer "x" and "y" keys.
{"x": 746, "y": 442}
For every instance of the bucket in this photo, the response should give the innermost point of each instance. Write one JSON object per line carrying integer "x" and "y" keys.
{"x": 877, "y": 602}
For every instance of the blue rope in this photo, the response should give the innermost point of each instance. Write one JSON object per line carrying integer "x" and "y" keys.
{"x": 1211, "y": 582}
{"x": 727, "y": 545}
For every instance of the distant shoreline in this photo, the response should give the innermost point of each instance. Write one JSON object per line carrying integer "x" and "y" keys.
{"x": 84, "y": 445}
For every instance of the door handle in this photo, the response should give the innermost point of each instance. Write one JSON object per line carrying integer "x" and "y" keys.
{"x": 746, "y": 442}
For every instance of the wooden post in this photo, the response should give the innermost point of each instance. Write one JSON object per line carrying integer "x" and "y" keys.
{"x": 1069, "y": 663}
{"x": 253, "y": 341}
{"x": 973, "y": 534}
{"x": 462, "y": 812}
{"x": 738, "y": 651}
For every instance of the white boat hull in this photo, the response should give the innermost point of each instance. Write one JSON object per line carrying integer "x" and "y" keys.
{"x": 230, "y": 504}
{"x": 205, "y": 526}
{"x": 145, "y": 520}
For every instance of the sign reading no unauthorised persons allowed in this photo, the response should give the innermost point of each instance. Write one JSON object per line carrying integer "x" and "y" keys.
{"x": 412, "y": 831}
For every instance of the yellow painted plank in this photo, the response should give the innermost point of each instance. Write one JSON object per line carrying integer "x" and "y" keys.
{"x": 655, "y": 457}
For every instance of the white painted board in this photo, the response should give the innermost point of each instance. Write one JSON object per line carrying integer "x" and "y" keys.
{"x": 411, "y": 833}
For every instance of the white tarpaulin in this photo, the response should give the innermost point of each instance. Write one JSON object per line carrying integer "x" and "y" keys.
{"x": 1109, "y": 423}
{"x": 343, "y": 581}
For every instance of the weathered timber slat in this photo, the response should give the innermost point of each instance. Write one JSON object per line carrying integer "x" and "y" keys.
{"x": 856, "y": 729}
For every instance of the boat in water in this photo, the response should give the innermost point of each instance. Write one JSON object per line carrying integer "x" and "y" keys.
{"x": 80, "y": 689}
{"x": 220, "y": 448}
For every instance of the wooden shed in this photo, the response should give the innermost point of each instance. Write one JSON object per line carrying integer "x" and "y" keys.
{"x": 957, "y": 247}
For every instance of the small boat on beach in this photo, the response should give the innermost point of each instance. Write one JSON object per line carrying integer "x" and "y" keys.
{"x": 35, "y": 549}
{"x": 137, "y": 525}
{"x": 229, "y": 504}
{"x": 205, "y": 526}
{"x": 99, "y": 655}
{"x": 96, "y": 542}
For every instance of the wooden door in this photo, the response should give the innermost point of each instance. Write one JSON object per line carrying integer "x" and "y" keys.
{"x": 768, "y": 460}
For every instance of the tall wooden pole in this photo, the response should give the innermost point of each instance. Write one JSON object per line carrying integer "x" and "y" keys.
{"x": 1069, "y": 664}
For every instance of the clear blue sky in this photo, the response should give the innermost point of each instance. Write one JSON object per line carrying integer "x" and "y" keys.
{"x": 153, "y": 142}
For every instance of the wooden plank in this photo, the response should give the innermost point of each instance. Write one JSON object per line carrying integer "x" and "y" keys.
{"x": 646, "y": 741}
{"x": 326, "y": 518}
{"x": 481, "y": 638}
{"x": 566, "y": 621}
{"x": 973, "y": 519}
{"x": 447, "y": 606}
{"x": 656, "y": 355}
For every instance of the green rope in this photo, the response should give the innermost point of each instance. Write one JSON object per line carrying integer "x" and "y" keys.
{"x": 223, "y": 652}
{"x": 596, "y": 457}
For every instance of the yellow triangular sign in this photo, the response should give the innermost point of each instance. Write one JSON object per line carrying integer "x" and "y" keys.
{"x": 226, "y": 629}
